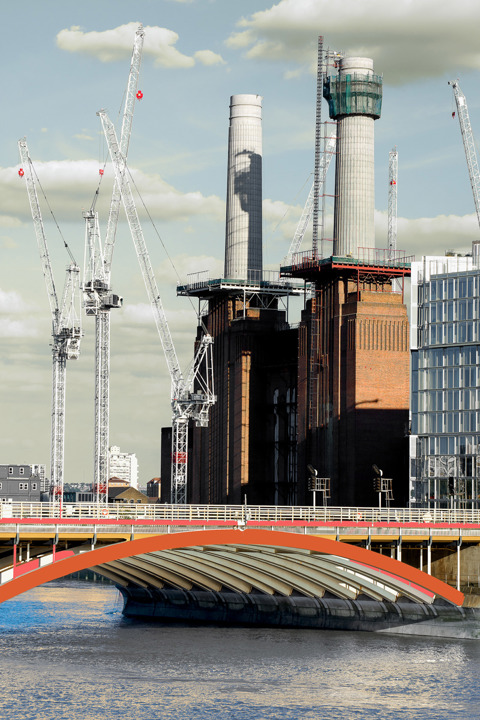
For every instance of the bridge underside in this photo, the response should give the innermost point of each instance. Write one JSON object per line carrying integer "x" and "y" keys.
{"x": 270, "y": 570}
{"x": 266, "y": 563}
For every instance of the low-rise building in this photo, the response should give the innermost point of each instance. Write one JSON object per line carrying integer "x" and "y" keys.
{"x": 19, "y": 483}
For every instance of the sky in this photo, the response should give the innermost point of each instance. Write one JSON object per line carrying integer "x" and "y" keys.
{"x": 63, "y": 61}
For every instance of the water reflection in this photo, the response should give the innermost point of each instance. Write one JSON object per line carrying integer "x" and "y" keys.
{"x": 66, "y": 652}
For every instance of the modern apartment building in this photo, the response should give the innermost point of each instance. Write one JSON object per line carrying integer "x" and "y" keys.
{"x": 445, "y": 382}
{"x": 123, "y": 465}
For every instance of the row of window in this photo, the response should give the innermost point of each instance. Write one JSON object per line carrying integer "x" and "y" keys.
{"x": 444, "y": 400}
{"x": 24, "y": 486}
{"x": 448, "y": 444}
{"x": 446, "y": 466}
{"x": 446, "y": 378}
{"x": 449, "y": 333}
{"x": 449, "y": 288}
{"x": 447, "y": 492}
{"x": 446, "y": 422}
{"x": 449, "y": 311}
{"x": 21, "y": 470}
{"x": 446, "y": 357}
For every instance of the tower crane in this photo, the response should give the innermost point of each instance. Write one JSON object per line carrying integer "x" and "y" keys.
{"x": 392, "y": 199}
{"x": 66, "y": 328}
{"x": 307, "y": 213}
{"x": 468, "y": 143}
{"x": 99, "y": 299}
{"x": 192, "y": 394}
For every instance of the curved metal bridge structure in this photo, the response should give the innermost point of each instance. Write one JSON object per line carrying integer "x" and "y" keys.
{"x": 337, "y": 568}
{"x": 289, "y": 560}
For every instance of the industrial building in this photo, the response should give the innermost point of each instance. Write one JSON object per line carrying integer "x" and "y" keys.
{"x": 248, "y": 450}
{"x": 353, "y": 359}
{"x": 332, "y": 393}
{"x": 445, "y": 377}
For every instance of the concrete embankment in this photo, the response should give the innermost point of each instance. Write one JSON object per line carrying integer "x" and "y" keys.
{"x": 440, "y": 619}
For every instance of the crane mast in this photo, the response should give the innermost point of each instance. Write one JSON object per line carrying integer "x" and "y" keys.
{"x": 66, "y": 329}
{"x": 468, "y": 143}
{"x": 99, "y": 298}
{"x": 392, "y": 199}
{"x": 192, "y": 396}
{"x": 308, "y": 210}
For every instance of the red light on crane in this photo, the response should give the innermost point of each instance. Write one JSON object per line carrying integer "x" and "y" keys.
{"x": 100, "y": 172}
{"x": 393, "y": 182}
{"x": 139, "y": 95}
{"x": 21, "y": 173}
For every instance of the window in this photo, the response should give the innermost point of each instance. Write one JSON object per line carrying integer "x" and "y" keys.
{"x": 34, "y": 486}
{"x": 23, "y": 486}
{"x": 10, "y": 470}
{"x": 21, "y": 471}
{"x": 0, "y": 485}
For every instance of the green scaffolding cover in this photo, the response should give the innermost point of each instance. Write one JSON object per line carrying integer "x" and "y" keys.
{"x": 354, "y": 94}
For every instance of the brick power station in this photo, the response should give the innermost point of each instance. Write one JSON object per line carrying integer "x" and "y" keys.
{"x": 333, "y": 392}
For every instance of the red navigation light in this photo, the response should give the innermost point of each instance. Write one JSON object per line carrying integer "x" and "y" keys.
{"x": 21, "y": 173}
{"x": 139, "y": 95}
{"x": 100, "y": 172}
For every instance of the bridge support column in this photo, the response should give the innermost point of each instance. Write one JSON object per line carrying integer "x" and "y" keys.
{"x": 429, "y": 555}
{"x": 459, "y": 545}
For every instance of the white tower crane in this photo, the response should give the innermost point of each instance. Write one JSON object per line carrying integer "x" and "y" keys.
{"x": 99, "y": 298}
{"x": 468, "y": 143}
{"x": 392, "y": 199}
{"x": 191, "y": 395}
{"x": 66, "y": 328}
{"x": 307, "y": 213}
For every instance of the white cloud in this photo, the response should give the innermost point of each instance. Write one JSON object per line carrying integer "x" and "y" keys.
{"x": 117, "y": 44}
{"x": 430, "y": 236}
{"x": 9, "y": 221}
{"x": 70, "y": 186}
{"x": 11, "y": 302}
{"x": 407, "y": 40}
{"x": 16, "y": 316}
{"x": 207, "y": 57}
{"x": 190, "y": 268}
{"x": 16, "y": 328}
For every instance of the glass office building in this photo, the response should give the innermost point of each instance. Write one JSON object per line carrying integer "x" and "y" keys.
{"x": 445, "y": 382}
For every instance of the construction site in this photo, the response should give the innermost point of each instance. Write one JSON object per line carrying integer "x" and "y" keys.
{"x": 268, "y": 412}
{"x": 304, "y": 412}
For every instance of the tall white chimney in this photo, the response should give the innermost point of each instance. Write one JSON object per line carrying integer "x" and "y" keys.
{"x": 243, "y": 235}
{"x": 355, "y": 100}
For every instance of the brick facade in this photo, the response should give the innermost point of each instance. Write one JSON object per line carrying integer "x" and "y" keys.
{"x": 354, "y": 387}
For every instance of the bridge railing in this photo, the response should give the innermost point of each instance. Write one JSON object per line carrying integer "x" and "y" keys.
{"x": 239, "y": 514}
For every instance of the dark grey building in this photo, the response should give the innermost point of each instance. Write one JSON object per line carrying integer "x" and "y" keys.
{"x": 19, "y": 483}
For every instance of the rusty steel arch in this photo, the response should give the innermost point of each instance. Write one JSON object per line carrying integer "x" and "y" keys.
{"x": 341, "y": 565}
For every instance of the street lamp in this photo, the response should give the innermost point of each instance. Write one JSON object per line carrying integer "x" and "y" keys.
{"x": 317, "y": 484}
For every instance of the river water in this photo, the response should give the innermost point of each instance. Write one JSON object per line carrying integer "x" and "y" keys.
{"x": 66, "y": 653}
